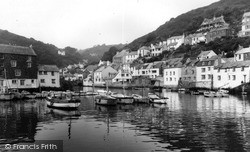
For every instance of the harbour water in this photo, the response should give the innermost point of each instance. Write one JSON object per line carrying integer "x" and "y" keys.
{"x": 186, "y": 123}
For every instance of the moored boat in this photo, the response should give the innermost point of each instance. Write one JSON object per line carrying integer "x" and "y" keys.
{"x": 90, "y": 93}
{"x": 122, "y": 99}
{"x": 156, "y": 99}
{"x": 64, "y": 101}
{"x": 106, "y": 100}
{"x": 140, "y": 99}
{"x": 209, "y": 94}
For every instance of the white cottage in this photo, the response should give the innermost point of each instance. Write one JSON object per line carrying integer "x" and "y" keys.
{"x": 48, "y": 76}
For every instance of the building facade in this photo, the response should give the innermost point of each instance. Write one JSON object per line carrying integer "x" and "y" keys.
{"x": 18, "y": 67}
{"x": 245, "y": 28}
{"x": 48, "y": 76}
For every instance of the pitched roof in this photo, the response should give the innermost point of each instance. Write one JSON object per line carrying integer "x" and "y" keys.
{"x": 100, "y": 69}
{"x": 244, "y": 50}
{"x": 132, "y": 53}
{"x": 234, "y": 64}
{"x": 204, "y": 53}
{"x": 21, "y": 50}
{"x": 144, "y": 48}
{"x": 176, "y": 37}
{"x": 173, "y": 63}
{"x": 50, "y": 68}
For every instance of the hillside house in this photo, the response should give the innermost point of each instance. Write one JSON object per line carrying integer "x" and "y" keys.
{"x": 245, "y": 27}
{"x": 175, "y": 41}
{"x": 143, "y": 51}
{"x": 242, "y": 54}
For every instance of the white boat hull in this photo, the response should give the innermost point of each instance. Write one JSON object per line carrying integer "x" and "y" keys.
{"x": 6, "y": 96}
{"x": 105, "y": 100}
{"x": 159, "y": 101}
{"x": 62, "y": 105}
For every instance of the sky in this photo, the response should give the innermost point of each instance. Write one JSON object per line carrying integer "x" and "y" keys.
{"x": 84, "y": 23}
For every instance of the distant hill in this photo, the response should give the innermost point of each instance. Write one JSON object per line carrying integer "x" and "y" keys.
{"x": 189, "y": 22}
{"x": 95, "y": 53}
{"x": 46, "y": 53}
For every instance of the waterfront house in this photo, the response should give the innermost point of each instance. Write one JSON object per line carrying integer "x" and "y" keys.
{"x": 205, "y": 71}
{"x": 88, "y": 81}
{"x": 143, "y": 51}
{"x": 188, "y": 73}
{"x": 18, "y": 67}
{"x": 104, "y": 73}
{"x": 245, "y": 27}
{"x": 231, "y": 74}
{"x": 48, "y": 76}
{"x": 172, "y": 72}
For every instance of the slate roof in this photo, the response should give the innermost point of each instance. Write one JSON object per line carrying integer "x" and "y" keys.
{"x": 50, "y": 68}
{"x": 204, "y": 53}
{"x": 12, "y": 49}
{"x": 133, "y": 53}
{"x": 234, "y": 64}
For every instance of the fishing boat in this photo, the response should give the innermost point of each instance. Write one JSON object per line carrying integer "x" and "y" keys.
{"x": 209, "y": 94}
{"x": 122, "y": 99}
{"x": 156, "y": 99}
{"x": 105, "y": 100}
{"x": 28, "y": 95}
{"x": 140, "y": 99}
{"x": 63, "y": 101}
{"x": 5, "y": 95}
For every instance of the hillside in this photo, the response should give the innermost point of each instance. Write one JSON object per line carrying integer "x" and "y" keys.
{"x": 95, "y": 53}
{"x": 46, "y": 53}
{"x": 189, "y": 22}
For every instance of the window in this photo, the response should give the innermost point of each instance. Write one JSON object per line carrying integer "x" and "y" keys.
{"x": 143, "y": 72}
{"x": 45, "y": 72}
{"x": 53, "y": 81}
{"x": 209, "y": 68}
{"x": 52, "y": 73}
{"x": 170, "y": 79}
{"x": 218, "y": 69}
{"x": 17, "y": 72}
{"x": 32, "y": 81}
{"x": 1, "y": 56}
{"x": 153, "y": 71}
{"x": 219, "y": 77}
{"x": 122, "y": 75}
{"x": 13, "y": 63}
{"x": 42, "y": 80}
{"x": 29, "y": 64}
{"x": 229, "y": 77}
{"x": 21, "y": 82}
{"x": 233, "y": 69}
{"x": 242, "y": 68}
{"x": 173, "y": 72}
{"x": 29, "y": 58}
{"x": 203, "y": 77}
{"x": 239, "y": 56}
{"x": 14, "y": 82}
{"x": 166, "y": 79}
{"x": 166, "y": 73}
{"x": 203, "y": 69}
{"x": 234, "y": 77}
{"x": 40, "y": 72}
{"x": 209, "y": 76}
{"x": 170, "y": 73}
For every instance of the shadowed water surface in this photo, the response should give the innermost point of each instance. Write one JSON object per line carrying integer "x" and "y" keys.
{"x": 186, "y": 123}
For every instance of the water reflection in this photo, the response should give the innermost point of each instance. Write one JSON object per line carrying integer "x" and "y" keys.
{"x": 186, "y": 123}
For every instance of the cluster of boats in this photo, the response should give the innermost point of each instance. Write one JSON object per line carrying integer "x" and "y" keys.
{"x": 113, "y": 98}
